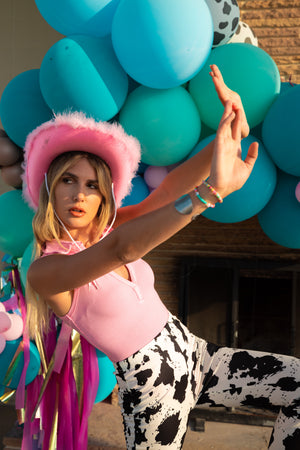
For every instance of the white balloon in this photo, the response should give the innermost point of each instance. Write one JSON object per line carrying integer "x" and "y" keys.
{"x": 244, "y": 34}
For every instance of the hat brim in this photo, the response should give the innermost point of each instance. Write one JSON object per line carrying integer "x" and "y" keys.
{"x": 76, "y": 132}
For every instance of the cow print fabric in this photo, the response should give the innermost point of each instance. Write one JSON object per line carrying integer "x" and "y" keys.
{"x": 161, "y": 383}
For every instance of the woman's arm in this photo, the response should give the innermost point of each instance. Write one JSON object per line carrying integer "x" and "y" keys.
{"x": 59, "y": 273}
{"x": 191, "y": 172}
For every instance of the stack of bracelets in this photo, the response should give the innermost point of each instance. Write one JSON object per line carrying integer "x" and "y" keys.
{"x": 184, "y": 204}
{"x": 213, "y": 191}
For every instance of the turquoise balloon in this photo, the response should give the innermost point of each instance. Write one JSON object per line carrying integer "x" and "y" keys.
{"x": 107, "y": 378}
{"x": 138, "y": 193}
{"x": 91, "y": 17}
{"x": 281, "y": 131}
{"x": 82, "y": 73}
{"x": 15, "y": 224}
{"x": 22, "y": 106}
{"x": 280, "y": 219}
{"x": 253, "y": 196}
{"x": 246, "y": 69}
{"x": 286, "y": 86}
{"x": 27, "y": 259}
{"x": 6, "y": 358}
{"x": 165, "y": 121}
{"x": 162, "y": 44}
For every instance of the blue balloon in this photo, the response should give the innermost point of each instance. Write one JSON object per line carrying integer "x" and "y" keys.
{"x": 286, "y": 86}
{"x": 6, "y": 358}
{"x": 107, "y": 378}
{"x": 253, "y": 196}
{"x": 91, "y": 17}
{"x": 22, "y": 106}
{"x": 138, "y": 193}
{"x": 16, "y": 223}
{"x": 280, "y": 219}
{"x": 82, "y": 73}
{"x": 162, "y": 44}
{"x": 281, "y": 131}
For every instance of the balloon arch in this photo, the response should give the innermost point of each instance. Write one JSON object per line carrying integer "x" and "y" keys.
{"x": 146, "y": 65}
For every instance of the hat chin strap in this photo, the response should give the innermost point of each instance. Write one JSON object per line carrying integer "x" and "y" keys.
{"x": 65, "y": 228}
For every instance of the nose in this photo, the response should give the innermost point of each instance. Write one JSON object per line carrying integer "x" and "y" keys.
{"x": 78, "y": 196}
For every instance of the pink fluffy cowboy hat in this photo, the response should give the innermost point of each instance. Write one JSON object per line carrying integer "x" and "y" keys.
{"x": 76, "y": 132}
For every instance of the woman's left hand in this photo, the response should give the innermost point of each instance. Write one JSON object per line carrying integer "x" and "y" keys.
{"x": 228, "y": 171}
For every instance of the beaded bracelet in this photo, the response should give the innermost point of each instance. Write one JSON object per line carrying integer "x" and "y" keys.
{"x": 213, "y": 191}
{"x": 207, "y": 204}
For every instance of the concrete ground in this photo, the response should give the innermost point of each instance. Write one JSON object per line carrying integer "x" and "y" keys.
{"x": 106, "y": 432}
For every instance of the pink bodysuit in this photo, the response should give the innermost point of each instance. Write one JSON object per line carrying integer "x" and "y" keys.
{"x": 116, "y": 315}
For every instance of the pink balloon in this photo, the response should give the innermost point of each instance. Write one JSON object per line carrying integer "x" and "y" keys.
{"x": 5, "y": 322}
{"x": 16, "y": 329}
{"x": 154, "y": 175}
{"x": 2, "y": 343}
{"x": 297, "y": 192}
{"x": 2, "y": 307}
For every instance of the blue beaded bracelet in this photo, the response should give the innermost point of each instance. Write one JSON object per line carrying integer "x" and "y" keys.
{"x": 207, "y": 204}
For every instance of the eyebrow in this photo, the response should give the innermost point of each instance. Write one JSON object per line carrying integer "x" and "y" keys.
{"x": 72, "y": 175}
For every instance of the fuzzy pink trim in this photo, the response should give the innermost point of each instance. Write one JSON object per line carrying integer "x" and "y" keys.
{"x": 75, "y": 131}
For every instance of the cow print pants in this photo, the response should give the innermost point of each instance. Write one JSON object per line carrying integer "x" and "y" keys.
{"x": 162, "y": 382}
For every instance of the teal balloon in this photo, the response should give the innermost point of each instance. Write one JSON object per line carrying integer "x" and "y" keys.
{"x": 22, "y": 106}
{"x": 138, "y": 192}
{"x": 165, "y": 121}
{"x": 281, "y": 131}
{"x": 6, "y": 358}
{"x": 280, "y": 219}
{"x": 27, "y": 259}
{"x": 82, "y": 73}
{"x": 246, "y": 69}
{"x": 253, "y": 196}
{"x": 162, "y": 44}
{"x": 15, "y": 224}
{"x": 107, "y": 378}
{"x": 91, "y": 17}
{"x": 286, "y": 86}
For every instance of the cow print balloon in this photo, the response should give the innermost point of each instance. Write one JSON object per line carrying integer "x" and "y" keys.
{"x": 226, "y": 16}
{"x": 244, "y": 34}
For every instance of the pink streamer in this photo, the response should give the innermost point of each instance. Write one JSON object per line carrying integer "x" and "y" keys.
{"x": 72, "y": 432}
{"x": 20, "y": 392}
{"x": 90, "y": 387}
{"x": 11, "y": 303}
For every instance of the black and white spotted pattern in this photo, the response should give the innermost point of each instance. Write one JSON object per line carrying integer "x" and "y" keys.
{"x": 226, "y": 16}
{"x": 160, "y": 384}
{"x": 244, "y": 35}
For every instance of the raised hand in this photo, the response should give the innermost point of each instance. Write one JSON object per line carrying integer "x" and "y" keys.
{"x": 225, "y": 94}
{"x": 228, "y": 171}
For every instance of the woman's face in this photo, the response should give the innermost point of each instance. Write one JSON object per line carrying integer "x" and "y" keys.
{"x": 77, "y": 199}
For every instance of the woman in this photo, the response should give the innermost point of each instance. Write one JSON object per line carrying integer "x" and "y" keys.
{"x": 88, "y": 272}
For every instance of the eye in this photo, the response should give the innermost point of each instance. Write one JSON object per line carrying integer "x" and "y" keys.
{"x": 93, "y": 186}
{"x": 66, "y": 180}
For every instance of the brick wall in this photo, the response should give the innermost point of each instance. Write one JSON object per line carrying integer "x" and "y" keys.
{"x": 276, "y": 24}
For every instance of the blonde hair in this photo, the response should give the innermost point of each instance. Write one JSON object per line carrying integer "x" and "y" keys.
{"x": 46, "y": 226}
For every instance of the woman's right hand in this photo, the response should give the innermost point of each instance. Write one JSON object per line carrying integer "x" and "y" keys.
{"x": 225, "y": 94}
{"x": 228, "y": 171}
